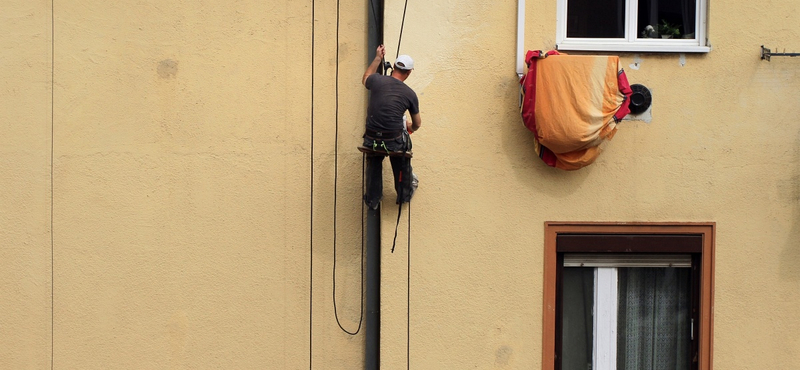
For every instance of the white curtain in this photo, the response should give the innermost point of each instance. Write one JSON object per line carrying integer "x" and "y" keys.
{"x": 654, "y": 319}
{"x": 688, "y": 16}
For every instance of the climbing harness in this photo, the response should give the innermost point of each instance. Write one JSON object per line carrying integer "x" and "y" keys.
{"x": 382, "y": 150}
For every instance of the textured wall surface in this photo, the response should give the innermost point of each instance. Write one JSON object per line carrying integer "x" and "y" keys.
{"x": 181, "y": 184}
{"x": 722, "y": 146}
{"x": 204, "y": 171}
{"x": 25, "y": 314}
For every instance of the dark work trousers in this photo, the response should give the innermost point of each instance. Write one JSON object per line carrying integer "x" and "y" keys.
{"x": 401, "y": 167}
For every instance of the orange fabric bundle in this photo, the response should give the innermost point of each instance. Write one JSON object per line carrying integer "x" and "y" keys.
{"x": 575, "y": 106}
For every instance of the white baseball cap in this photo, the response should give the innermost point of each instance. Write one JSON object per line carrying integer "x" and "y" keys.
{"x": 404, "y": 62}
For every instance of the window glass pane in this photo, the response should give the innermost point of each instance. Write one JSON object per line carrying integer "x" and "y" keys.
{"x": 596, "y": 18}
{"x": 666, "y": 19}
{"x": 653, "y": 326}
{"x": 577, "y": 320}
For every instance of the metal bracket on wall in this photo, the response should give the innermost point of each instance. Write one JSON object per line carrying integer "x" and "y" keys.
{"x": 767, "y": 53}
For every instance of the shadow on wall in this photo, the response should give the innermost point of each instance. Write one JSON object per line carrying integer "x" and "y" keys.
{"x": 790, "y": 257}
{"x": 529, "y": 169}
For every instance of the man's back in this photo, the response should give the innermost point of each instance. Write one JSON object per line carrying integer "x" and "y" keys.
{"x": 389, "y": 100}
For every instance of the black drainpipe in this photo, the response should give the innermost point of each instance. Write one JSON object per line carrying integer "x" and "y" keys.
{"x": 372, "y": 324}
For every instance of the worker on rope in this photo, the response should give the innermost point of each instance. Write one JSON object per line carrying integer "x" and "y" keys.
{"x": 386, "y": 129}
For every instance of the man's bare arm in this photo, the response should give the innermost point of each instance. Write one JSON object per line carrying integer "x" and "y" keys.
{"x": 373, "y": 67}
{"x": 416, "y": 122}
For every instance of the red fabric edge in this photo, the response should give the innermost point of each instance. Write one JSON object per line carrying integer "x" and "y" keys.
{"x": 625, "y": 89}
{"x": 528, "y": 83}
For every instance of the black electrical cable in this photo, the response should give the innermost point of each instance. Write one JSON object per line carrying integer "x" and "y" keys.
{"x": 335, "y": 196}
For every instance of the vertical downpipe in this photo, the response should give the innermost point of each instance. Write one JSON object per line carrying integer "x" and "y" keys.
{"x": 520, "y": 37}
{"x": 372, "y": 324}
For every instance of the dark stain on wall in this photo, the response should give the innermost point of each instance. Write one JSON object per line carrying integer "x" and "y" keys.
{"x": 167, "y": 68}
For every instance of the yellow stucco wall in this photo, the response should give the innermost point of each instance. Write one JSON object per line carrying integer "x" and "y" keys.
{"x": 25, "y": 314}
{"x": 197, "y": 155}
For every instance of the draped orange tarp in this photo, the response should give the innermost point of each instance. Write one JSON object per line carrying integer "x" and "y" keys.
{"x": 573, "y": 103}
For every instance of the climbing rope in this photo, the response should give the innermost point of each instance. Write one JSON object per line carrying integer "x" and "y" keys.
{"x": 401, "y": 197}
{"x": 335, "y": 198}
{"x": 363, "y": 187}
{"x": 408, "y": 245}
{"x": 402, "y": 24}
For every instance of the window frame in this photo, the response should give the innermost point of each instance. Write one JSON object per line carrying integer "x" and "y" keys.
{"x": 581, "y": 237}
{"x": 631, "y": 42}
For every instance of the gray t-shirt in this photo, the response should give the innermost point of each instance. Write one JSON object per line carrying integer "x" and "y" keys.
{"x": 388, "y": 102}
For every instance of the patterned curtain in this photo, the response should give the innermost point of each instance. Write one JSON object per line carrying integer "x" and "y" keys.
{"x": 653, "y": 326}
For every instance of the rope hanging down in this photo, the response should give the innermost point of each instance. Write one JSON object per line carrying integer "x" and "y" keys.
{"x": 400, "y": 206}
{"x": 336, "y": 177}
{"x": 402, "y": 24}
{"x": 335, "y": 198}
{"x": 408, "y": 246}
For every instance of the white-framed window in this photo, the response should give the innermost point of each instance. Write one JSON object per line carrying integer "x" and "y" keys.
{"x": 632, "y": 25}
{"x": 622, "y": 313}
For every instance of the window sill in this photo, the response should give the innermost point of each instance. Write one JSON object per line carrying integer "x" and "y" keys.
{"x": 650, "y": 46}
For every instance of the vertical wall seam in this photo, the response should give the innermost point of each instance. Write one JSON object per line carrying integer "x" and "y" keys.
{"x": 408, "y": 291}
{"x": 311, "y": 209}
{"x": 52, "y": 198}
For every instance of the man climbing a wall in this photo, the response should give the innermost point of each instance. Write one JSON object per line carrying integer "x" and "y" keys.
{"x": 386, "y": 129}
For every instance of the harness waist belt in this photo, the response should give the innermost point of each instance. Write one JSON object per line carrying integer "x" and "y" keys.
{"x": 383, "y": 135}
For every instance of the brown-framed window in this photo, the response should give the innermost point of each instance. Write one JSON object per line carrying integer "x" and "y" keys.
{"x": 628, "y": 295}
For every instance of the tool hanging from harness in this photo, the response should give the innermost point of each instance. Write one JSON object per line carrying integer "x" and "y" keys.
{"x": 572, "y": 104}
